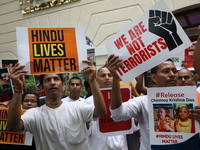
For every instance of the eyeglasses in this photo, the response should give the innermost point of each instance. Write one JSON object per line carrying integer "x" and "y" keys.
{"x": 29, "y": 100}
{"x": 185, "y": 77}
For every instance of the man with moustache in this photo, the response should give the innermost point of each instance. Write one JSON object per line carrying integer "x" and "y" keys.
{"x": 74, "y": 87}
{"x": 164, "y": 75}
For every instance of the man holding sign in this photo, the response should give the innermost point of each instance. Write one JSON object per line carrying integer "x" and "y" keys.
{"x": 163, "y": 75}
{"x": 105, "y": 80}
{"x": 57, "y": 124}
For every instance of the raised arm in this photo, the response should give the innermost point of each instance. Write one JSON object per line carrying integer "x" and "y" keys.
{"x": 112, "y": 64}
{"x": 139, "y": 84}
{"x": 196, "y": 57}
{"x": 90, "y": 74}
{"x": 14, "y": 113}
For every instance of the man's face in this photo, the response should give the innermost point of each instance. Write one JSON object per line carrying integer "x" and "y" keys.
{"x": 195, "y": 75}
{"x": 104, "y": 78}
{"x": 52, "y": 85}
{"x": 75, "y": 87}
{"x": 185, "y": 78}
{"x": 166, "y": 75}
{"x": 161, "y": 113}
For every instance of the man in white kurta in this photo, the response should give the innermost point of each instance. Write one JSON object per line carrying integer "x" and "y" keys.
{"x": 57, "y": 124}
{"x": 119, "y": 142}
{"x": 61, "y": 127}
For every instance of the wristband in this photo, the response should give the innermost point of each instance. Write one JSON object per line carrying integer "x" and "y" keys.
{"x": 18, "y": 91}
{"x": 18, "y": 88}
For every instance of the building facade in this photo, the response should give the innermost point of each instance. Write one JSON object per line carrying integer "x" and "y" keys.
{"x": 102, "y": 19}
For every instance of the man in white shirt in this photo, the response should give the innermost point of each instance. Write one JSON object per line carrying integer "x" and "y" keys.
{"x": 105, "y": 80}
{"x": 74, "y": 87}
{"x": 163, "y": 75}
{"x": 56, "y": 124}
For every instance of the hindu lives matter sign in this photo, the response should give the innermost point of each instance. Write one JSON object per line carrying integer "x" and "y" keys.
{"x": 8, "y": 137}
{"x": 51, "y": 50}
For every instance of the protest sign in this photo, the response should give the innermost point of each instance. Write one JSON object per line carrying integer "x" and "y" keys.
{"x": 8, "y": 63}
{"x": 189, "y": 56}
{"x": 147, "y": 41}
{"x": 51, "y": 50}
{"x": 6, "y": 89}
{"x": 170, "y": 126}
{"x": 106, "y": 125}
{"x": 184, "y": 58}
{"x": 8, "y": 137}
